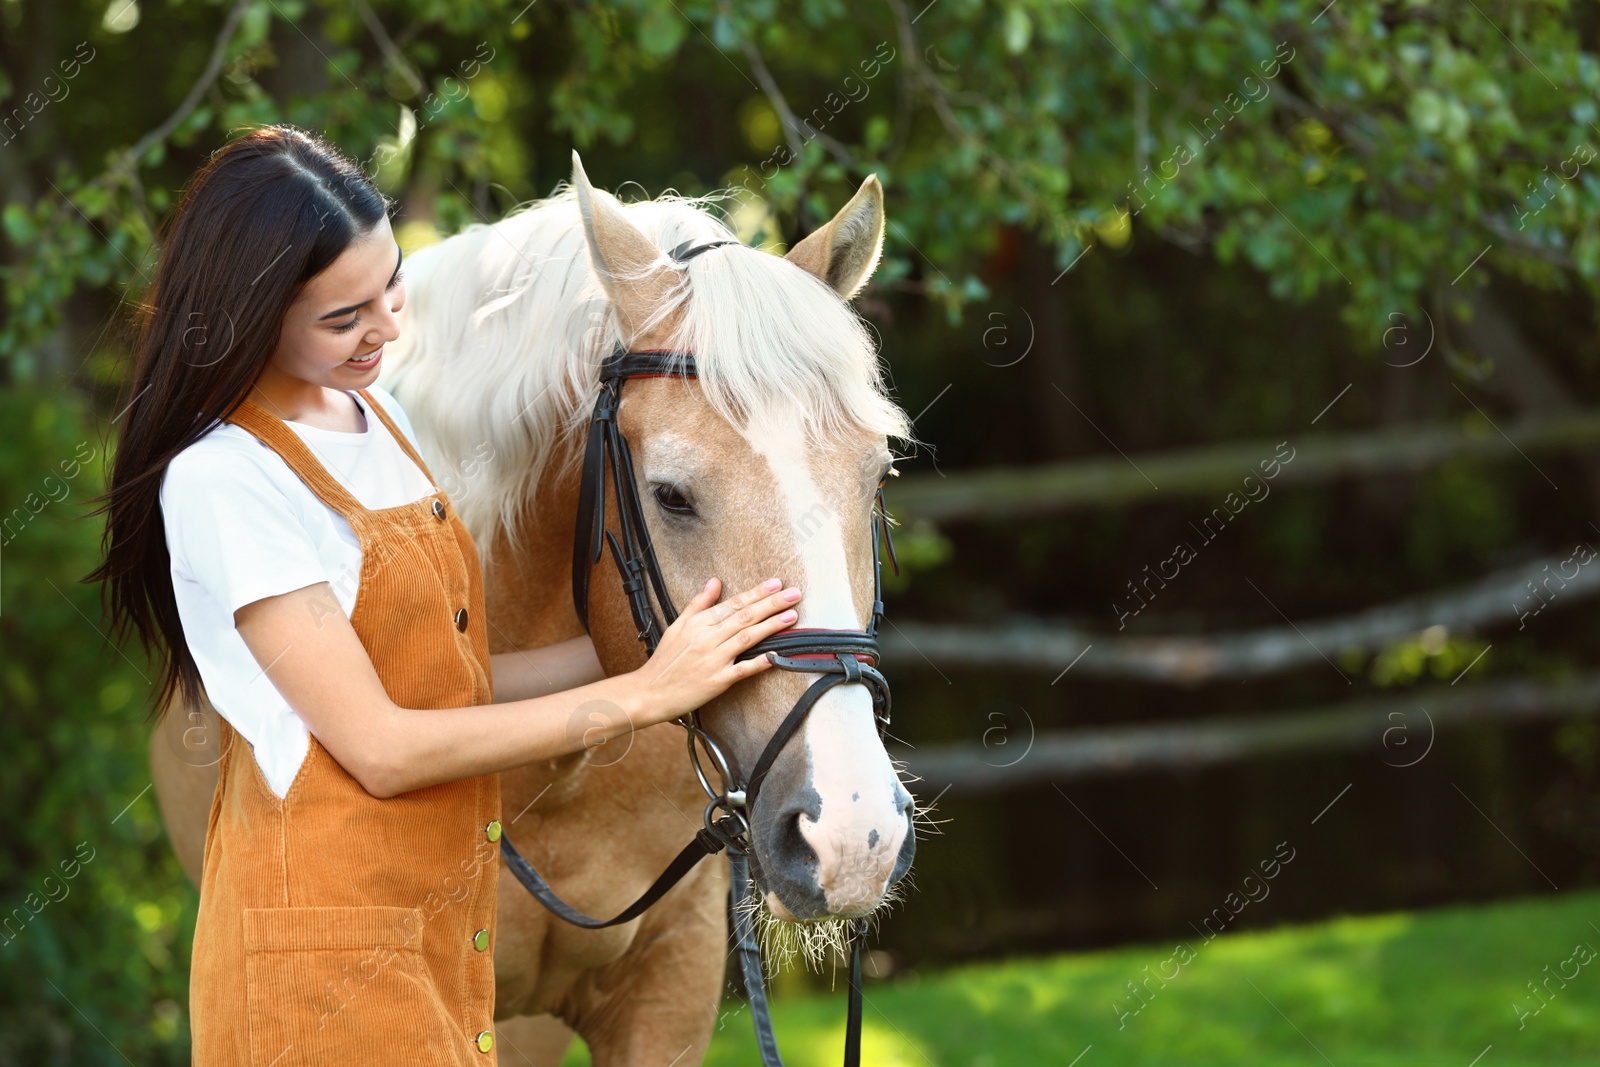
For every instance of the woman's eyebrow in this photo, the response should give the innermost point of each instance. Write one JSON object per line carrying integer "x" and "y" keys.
{"x": 399, "y": 255}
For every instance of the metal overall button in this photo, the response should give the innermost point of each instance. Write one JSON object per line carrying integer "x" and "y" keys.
{"x": 438, "y": 509}
{"x": 480, "y": 940}
{"x": 461, "y": 619}
{"x": 492, "y": 831}
{"x": 485, "y": 1041}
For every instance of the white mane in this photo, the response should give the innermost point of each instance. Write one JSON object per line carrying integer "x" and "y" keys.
{"x": 506, "y": 325}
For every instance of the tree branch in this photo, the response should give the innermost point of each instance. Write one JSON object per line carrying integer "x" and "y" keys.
{"x": 792, "y": 126}
{"x": 386, "y": 45}
{"x": 920, "y": 75}
{"x": 219, "y": 51}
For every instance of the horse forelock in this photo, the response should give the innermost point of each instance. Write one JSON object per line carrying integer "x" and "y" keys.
{"x": 506, "y": 324}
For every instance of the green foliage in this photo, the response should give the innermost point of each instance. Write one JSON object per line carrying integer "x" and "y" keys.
{"x": 1434, "y": 652}
{"x": 1464, "y": 512}
{"x": 95, "y": 914}
{"x": 1294, "y": 533}
{"x": 918, "y": 547}
{"x": 1366, "y": 151}
{"x": 1579, "y": 743}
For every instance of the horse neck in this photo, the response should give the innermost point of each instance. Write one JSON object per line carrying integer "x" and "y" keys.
{"x": 526, "y": 582}
{"x": 527, "y": 593}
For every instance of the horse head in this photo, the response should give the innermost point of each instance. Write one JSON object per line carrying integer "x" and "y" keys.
{"x": 767, "y": 462}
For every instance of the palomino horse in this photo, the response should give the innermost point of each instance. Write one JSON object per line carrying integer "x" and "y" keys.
{"x": 767, "y": 463}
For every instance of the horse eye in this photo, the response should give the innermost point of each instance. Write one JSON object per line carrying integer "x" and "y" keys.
{"x": 671, "y": 500}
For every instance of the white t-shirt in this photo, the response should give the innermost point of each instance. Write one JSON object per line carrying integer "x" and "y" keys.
{"x": 241, "y": 526}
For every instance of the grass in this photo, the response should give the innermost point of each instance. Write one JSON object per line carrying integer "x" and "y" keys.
{"x": 1413, "y": 988}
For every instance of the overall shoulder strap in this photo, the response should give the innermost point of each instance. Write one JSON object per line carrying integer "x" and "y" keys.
{"x": 276, "y": 435}
{"x": 397, "y": 434}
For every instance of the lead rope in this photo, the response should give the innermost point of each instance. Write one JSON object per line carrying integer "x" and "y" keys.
{"x": 740, "y": 886}
{"x": 852, "y": 1026}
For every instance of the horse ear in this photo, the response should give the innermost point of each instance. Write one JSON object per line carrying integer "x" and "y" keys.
{"x": 845, "y": 251}
{"x": 623, "y": 257}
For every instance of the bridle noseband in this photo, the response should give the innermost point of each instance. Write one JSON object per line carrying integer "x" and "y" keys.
{"x": 842, "y": 657}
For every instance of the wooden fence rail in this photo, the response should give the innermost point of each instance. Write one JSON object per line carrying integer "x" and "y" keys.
{"x": 1513, "y": 595}
{"x": 1112, "y": 480}
{"x": 1398, "y": 730}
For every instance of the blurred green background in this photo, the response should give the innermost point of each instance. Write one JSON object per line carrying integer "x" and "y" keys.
{"x": 1135, "y": 252}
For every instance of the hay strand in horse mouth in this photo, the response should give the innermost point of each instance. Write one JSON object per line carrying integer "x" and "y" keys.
{"x": 819, "y": 943}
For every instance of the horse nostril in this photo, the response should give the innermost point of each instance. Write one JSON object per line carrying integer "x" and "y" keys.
{"x": 908, "y": 852}
{"x": 904, "y": 802}
{"x": 789, "y": 862}
{"x": 788, "y": 848}
{"x": 791, "y": 839}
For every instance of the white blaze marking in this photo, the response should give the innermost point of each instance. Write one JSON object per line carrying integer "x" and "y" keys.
{"x": 849, "y": 769}
{"x": 818, "y": 540}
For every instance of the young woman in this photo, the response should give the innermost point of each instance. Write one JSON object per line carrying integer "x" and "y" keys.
{"x": 273, "y": 532}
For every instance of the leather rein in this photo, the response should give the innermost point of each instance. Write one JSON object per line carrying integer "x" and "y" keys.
{"x": 841, "y": 657}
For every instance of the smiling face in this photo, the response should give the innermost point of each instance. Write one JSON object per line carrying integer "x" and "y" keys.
{"x": 343, "y": 314}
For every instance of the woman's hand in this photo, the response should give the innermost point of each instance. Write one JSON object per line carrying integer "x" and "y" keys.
{"x": 694, "y": 660}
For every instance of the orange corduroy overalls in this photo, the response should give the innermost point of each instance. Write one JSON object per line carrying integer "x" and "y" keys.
{"x": 336, "y": 928}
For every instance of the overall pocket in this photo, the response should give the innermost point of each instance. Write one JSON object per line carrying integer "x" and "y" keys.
{"x": 336, "y": 986}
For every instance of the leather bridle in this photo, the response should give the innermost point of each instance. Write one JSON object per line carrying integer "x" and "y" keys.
{"x": 842, "y": 657}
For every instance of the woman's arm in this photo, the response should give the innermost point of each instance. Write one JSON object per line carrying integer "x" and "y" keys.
{"x": 318, "y": 663}
{"x": 538, "y": 672}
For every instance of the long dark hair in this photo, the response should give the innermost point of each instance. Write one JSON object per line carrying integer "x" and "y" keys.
{"x": 268, "y": 212}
